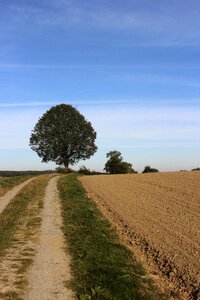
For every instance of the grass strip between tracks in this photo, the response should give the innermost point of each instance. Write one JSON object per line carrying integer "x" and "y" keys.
{"x": 102, "y": 268}
{"x": 19, "y": 228}
{"x": 11, "y": 217}
{"x": 7, "y": 183}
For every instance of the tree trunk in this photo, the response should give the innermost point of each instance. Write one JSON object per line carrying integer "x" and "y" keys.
{"x": 66, "y": 165}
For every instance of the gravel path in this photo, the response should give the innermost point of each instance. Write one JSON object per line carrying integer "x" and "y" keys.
{"x": 4, "y": 201}
{"x": 51, "y": 269}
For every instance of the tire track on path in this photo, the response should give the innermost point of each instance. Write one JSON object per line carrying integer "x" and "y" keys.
{"x": 51, "y": 270}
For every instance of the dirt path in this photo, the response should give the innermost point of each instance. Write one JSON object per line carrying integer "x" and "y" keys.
{"x": 51, "y": 269}
{"x": 4, "y": 201}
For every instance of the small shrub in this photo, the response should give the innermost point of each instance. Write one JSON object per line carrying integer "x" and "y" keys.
{"x": 84, "y": 170}
{"x": 63, "y": 170}
{"x": 116, "y": 165}
{"x": 196, "y": 169}
{"x": 148, "y": 169}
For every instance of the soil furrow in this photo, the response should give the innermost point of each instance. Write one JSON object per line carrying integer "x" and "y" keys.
{"x": 158, "y": 214}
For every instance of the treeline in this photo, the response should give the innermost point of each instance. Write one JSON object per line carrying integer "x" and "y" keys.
{"x": 196, "y": 169}
{"x": 23, "y": 173}
{"x": 116, "y": 165}
{"x": 82, "y": 170}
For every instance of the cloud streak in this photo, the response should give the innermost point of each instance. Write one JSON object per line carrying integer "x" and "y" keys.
{"x": 189, "y": 106}
{"x": 25, "y": 104}
{"x": 155, "y": 78}
{"x": 168, "y": 25}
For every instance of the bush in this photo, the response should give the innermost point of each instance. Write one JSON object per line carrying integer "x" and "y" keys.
{"x": 196, "y": 169}
{"x": 148, "y": 169}
{"x": 83, "y": 170}
{"x": 116, "y": 165}
{"x": 64, "y": 171}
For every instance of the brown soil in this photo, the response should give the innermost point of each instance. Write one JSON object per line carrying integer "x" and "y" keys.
{"x": 158, "y": 216}
{"x": 11, "y": 194}
{"x": 51, "y": 269}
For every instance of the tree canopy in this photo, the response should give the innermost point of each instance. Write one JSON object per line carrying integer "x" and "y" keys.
{"x": 116, "y": 165}
{"x": 64, "y": 136}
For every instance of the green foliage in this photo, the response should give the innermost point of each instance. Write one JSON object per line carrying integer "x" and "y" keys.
{"x": 83, "y": 170}
{"x": 19, "y": 223}
{"x": 7, "y": 183}
{"x": 196, "y": 169}
{"x": 62, "y": 170}
{"x": 17, "y": 208}
{"x": 116, "y": 165}
{"x": 102, "y": 268}
{"x": 148, "y": 169}
{"x": 23, "y": 173}
{"x": 64, "y": 136}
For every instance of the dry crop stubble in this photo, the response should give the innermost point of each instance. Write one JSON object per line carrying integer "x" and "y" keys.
{"x": 160, "y": 213}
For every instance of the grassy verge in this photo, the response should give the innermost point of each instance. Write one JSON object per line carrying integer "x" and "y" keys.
{"x": 7, "y": 183}
{"x": 11, "y": 217}
{"x": 19, "y": 231}
{"x": 102, "y": 267}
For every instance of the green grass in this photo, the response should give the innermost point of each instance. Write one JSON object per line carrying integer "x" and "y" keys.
{"x": 11, "y": 217}
{"x": 102, "y": 268}
{"x": 7, "y": 183}
{"x": 19, "y": 224}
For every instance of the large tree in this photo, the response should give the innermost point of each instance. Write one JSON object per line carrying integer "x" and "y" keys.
{"x": 116, "y": 165}
{"x": 64, "y": 136}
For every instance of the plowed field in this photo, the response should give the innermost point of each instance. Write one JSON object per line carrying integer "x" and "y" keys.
{"x": 160, "y": 215}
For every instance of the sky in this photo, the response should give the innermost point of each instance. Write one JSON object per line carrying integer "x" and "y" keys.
{"x": 131, "y": 67}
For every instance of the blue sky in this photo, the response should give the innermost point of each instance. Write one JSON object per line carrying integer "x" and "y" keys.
{"x": 131, "y": 67}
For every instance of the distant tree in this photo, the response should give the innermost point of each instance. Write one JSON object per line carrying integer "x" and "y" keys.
{"x": 116, "y": 165}
{"x": 196, "y": 169}
{"x": 83, "y": 170}
{"x": 148, "y": 169}
{"x": 64, "y": 136}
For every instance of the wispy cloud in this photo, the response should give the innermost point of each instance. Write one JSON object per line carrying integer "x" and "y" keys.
{"x": 159, "y": 24}
{"x": 158, "y": 78}
{"x": 129, "y": 107}
{"x": 106, "y": 66}
{"x": 26, "y": 104}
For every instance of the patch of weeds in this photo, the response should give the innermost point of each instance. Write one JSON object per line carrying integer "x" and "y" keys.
{"x": 24, "y": 264}
{"x": 18, "y": 224}
{"x": 102, "y": 268}
{"x": 7, "y": 183}
{"x": 4, "y": 279}
{"x": 27, "y": 254}
{"x": 15, "y": 266}
{"x": 34, "y": 222}
{"x": 10, "y": 295}
{"x": 40, "y": 204}
{"x": 11, "y": 217}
